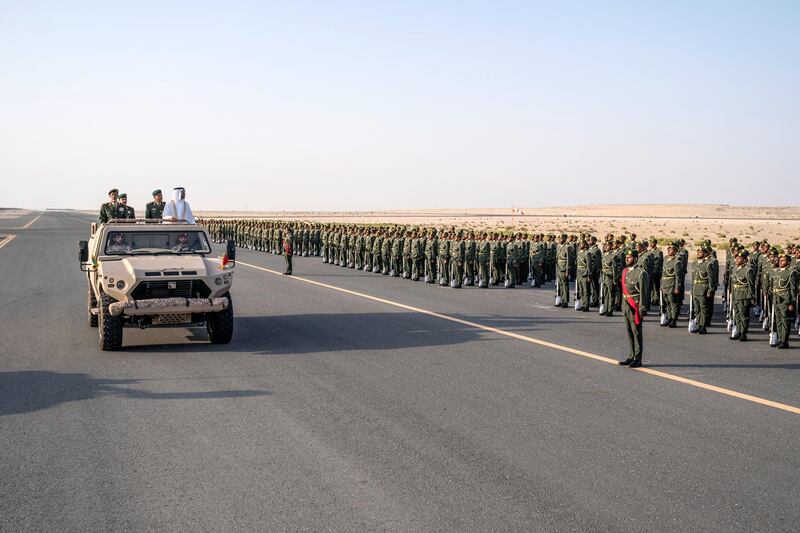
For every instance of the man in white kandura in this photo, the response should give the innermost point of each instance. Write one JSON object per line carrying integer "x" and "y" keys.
{"x": 178, "y": 208}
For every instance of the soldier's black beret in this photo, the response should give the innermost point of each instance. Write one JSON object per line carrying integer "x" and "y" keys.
{"x": 157, "y": 191}
{"x": 632, "y": 252}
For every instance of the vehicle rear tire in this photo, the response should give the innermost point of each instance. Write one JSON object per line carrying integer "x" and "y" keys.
{"x": 220, "y": 324}
{"x": 110, "y": 327}
{"x": 91, "y": 303}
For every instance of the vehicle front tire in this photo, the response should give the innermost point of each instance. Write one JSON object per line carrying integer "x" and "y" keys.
{"x": 220, "y": 324}
{"x": 110, "y": 327}
{"x": 91, "y": 303}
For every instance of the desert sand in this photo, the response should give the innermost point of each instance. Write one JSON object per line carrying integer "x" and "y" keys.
{"x": 718, "y": 222}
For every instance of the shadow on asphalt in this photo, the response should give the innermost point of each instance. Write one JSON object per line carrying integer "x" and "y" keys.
{"x": 33, "y": 390}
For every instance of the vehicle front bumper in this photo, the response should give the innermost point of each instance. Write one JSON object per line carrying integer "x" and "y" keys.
{"x": 168, "y": 306}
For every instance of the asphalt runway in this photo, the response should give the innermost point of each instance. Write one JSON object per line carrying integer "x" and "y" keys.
{"x": 346, "y": 411}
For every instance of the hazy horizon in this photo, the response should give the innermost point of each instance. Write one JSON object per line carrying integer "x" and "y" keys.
{"x": 359, "y": 106}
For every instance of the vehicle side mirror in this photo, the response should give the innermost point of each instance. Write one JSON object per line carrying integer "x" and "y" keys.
{"x": 83, "y": 252}
{"x": 231, "y": 251}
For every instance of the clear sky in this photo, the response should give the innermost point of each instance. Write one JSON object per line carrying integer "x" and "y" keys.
{"x": 382, "y": 105}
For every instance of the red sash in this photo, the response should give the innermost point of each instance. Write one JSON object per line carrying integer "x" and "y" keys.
{"x": 637, "y": 318}
{"x": 287, "y": 247}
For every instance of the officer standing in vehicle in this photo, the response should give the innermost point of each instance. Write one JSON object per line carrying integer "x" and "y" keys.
{"x": 111, "y": 209}
{"x": 155, "y": 209}
{"x": 128, "y": 211}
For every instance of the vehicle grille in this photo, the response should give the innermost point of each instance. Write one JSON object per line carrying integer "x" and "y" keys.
{"x": 184, "y": 288}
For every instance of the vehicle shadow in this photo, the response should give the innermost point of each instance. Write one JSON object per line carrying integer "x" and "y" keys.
{"x": 26, "y": 391}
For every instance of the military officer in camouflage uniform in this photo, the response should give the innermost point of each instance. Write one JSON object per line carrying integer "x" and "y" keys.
{"x": 705, "y": 279}
{"x": 457, "y": 261}
{"x": 671, "y": 284}
{"x": 658, "y": 266}
{"x": 469, "y": 259}
{"x": 288, "y": 250}
{"x": 583, "y": 267}
{"x": 610, "y": 270}
{"x": 511, "y": 246}
{"x": 563, "y": 261}
{"x": 743, "y": 293}
{"x": 431, "y": 255}
{"x": 635, "y": 295}
{"x": 443, "y": 266}
{"x": 784, "y": 297}
{"x": 483, "y": 252}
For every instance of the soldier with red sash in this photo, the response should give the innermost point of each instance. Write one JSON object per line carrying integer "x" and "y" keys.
{"x": 635, "y": 299}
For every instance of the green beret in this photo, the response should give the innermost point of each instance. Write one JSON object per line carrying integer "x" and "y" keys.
{"x": 632, "y": 252}
{"x": 113, "y": 191}
{"x": 123, "y": 195}
{"x": 157, "y": 191}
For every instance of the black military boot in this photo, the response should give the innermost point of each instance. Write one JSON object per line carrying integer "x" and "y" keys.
{"x": 636, "y": 363}
{"x": 783, "y": 345}
{"x": 743, "y": 337}
{"x": 673, "y": 323}
{"x": 626, "y": 362}
{"x": 702, "y": 331}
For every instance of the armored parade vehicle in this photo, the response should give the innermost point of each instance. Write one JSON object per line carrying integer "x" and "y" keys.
{"x": 154, "y": 273}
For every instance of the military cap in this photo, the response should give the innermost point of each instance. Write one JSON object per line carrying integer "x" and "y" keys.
{"x": 113, "y": 191}
{"x": 157, "y": 191}
{"x": 653, "y": 239}
{"x": 773, "y": 251}
{"x": 743, "y": 253}
{"x": 632, "y": 252}
{"x": 123, "y": 195}
{"x": 563, "y": 235}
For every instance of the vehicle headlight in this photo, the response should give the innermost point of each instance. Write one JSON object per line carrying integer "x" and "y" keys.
{"x": 120, "y": 284}
{"x": 218, "y": 281}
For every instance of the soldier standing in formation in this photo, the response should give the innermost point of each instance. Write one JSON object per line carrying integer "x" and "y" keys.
{"x": 743, "y": 281}
{"x": 784, "y": 296}
{"x": 463, "y": 257}
{"x": 288, "y": 250}
{"x": 563, "y": 261}
{"x": 705, "y": 279}
{"x": 636, "y": 294}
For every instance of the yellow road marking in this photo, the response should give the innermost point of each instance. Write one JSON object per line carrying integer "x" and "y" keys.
{"x": 7, "y": 240}
{"x": 589, "y": 355}
{"x": 29, "y": 224}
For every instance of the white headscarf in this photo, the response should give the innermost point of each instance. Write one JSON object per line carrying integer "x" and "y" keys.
{"x": 178, "y": 207}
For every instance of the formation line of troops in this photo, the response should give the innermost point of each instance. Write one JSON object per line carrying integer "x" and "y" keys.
{"x": 620, "y": 275}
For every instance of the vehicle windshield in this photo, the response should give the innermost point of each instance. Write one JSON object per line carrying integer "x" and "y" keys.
{"x": 156, "y": 242}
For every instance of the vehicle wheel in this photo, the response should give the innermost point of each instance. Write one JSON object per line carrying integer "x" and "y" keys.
{"x": 91, "y": 303}
{"x": 220, "y": 324}
{"x": 110, "y": 327}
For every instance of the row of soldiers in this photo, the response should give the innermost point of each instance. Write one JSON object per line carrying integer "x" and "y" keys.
{"x": 457, "y": 257}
